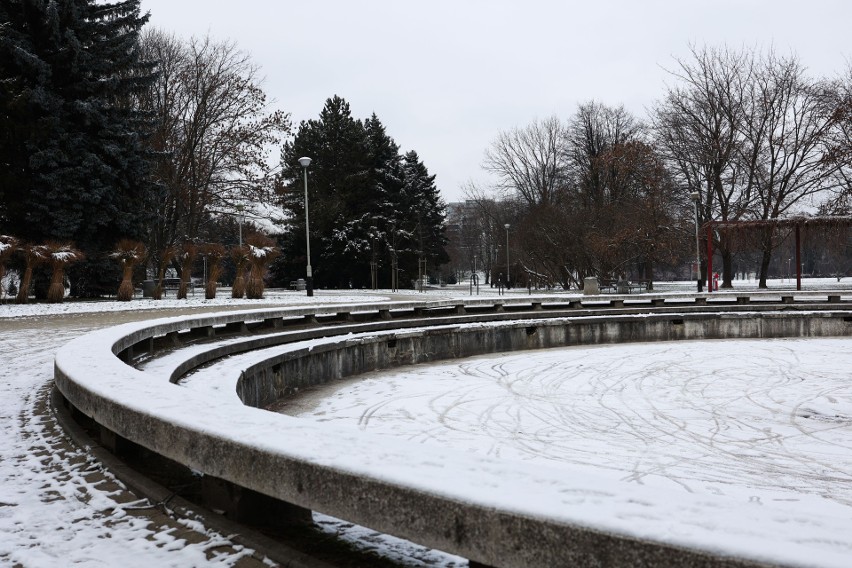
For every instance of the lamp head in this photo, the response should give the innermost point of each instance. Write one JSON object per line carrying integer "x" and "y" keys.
{"x": 305, "y": 162}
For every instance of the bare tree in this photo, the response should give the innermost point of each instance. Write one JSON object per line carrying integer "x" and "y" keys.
{"x": 698, "y": 127}
{"x": 593, "y": 131}
{"x": 839, "y": 152}
{"x": 214, "y": 136}
{"x": 786, "y": 141}
{"x": 529, "y": 162}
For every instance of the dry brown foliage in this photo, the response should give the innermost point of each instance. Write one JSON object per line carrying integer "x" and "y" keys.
{"x": 128, "y": 253}
{"x": 59, "y": 256}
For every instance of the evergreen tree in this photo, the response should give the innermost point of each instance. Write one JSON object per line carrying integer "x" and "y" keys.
{"x": 69, "y": 71}
{"x": 386, "y": 180}
{"x": 337, "y": 188}
{"x": 371, "y": 211}
{"x": 425, "y": 220}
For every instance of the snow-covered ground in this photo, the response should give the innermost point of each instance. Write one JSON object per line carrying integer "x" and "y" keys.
{"x": 57, "y": 507}
{"x": 755, "y": 420}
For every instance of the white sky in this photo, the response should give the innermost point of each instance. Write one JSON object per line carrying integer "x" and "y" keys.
{"x": 446, "y": 77}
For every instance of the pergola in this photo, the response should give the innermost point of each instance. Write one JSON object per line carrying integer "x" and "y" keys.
{"x": 796, "y": 223}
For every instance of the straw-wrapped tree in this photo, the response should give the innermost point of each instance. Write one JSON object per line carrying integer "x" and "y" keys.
{"x": 8, "y": 245}
{"x": 129, "y": 253}
{"x": 240, "y": 258}
{"x": 186, "y": 257}
{"x": 214, "y": 253}
{"x": 59, "y": 256}
{"x": 261, "y": 253}
{"x": 33, "y": 256}
{"x": 166, "y": 256}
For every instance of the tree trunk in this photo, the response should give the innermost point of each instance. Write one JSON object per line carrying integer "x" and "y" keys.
{"x": 184, "y": 285}
{"x": 727, "y": 268}
{"x": 254, "y": 288}
{"x": 766, "y": 257}
{"x": 158, "y": 290}
{"x": 56, "y": 292}
{"x": 125, "y": 290}
{"x": 649, "y": 274}
{"x": 24, "y": 290}
{"x": 212, "y": 281}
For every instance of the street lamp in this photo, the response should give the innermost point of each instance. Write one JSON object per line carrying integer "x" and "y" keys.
{"x": 240, "y": 218}
{"x": 508, "y": 277}
{"x": 305, "y": 162}
{"x": 695, "y": 198}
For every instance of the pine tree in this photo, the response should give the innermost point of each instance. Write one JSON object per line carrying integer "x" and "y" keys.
{"x": 386, "y": 183}
{"x": 337, "y": 187}
{"x": 371, "y": 210}
{"x": 425, "y": 220}
{"x": 77, "y": 170}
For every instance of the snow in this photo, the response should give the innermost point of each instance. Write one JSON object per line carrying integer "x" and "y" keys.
{"x": 64, "y": 256}
{"x": 773, "y": 426}
{"x": 194, "y": 302}
{"x": 53, "y": 512}
{"x": 260, "y": 252}
{"x": 57, "y": 506}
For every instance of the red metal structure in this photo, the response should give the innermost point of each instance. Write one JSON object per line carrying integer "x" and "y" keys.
{"x": 795, "y": 222}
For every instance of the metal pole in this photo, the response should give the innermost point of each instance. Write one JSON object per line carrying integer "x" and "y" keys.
{"x": 309, "y": 272}
{"x": 476, "y": 275}
{"x": 508, "y": 275}
{"x": 798, "y": 259}
{"x": 240, "y": 218}
{"x": 695, "y": 197}
{"x": 709, "y": 256}
{"x": 697, "y": 244}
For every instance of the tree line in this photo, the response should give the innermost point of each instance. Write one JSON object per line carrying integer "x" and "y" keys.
{"x": 739, "y": 135}
{"x": 110, "y": 130}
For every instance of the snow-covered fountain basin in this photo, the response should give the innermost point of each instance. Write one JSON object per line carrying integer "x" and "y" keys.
{"x": 496, "y": 512}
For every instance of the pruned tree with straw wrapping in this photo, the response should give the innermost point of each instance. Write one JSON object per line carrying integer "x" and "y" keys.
{"x": 59, "y": 256}
{"x": 240, "y": 257}
{"x": 129, "y": 253}
{"x": 33, "y": 256}
{"x": 215, "y": 253}
{"x": 166, "y": 256}
{"x": 261, "y": 253}
{"x": 186, "y": 257}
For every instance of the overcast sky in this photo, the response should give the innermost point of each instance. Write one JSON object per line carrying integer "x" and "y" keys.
{"x": 445, "y": 77}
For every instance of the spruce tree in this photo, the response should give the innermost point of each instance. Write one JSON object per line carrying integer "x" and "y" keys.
{"x": 425, "y": 220}
{"x": 368, "y": 204}
{"x": 386, "y": 183}
{"x": 337, "y": 182}
{"x": 77, "y": 170}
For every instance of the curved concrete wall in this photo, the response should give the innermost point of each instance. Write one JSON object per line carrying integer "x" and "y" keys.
{"x": 276, "y": 378}
{"x": 455, "y": 502}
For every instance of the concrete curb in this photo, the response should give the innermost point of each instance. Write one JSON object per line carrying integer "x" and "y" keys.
{"x": 264, "y": 547}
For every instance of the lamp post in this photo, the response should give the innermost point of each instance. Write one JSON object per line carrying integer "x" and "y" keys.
{"x": 305, "y": 162}
{"x": 240, "y": 218}
{"x": 508, "y": 276}
{"x": 695, "y": 198}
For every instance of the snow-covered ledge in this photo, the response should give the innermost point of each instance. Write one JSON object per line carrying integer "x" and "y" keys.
{"x": 506, "y": 514}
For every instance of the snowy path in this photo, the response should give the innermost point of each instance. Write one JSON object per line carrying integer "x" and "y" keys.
{"x": 58, "y": 507}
